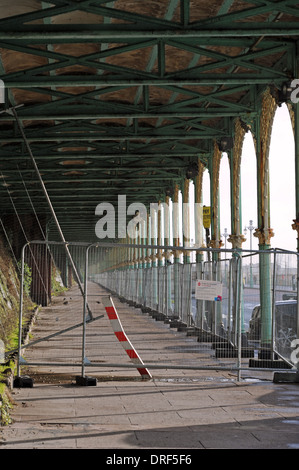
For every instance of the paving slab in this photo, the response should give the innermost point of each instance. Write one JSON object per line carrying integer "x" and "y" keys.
{"x": 176, "y": 410}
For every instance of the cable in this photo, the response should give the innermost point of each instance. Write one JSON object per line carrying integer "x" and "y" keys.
{"x": 12, "y": 111}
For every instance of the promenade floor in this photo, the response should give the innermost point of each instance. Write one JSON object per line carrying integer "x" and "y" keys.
{"x": 174, "y": 411}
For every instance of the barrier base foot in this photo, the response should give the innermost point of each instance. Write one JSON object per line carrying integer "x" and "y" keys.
{"x": 268, "y": 364}
{"x": 86, "y": 381}
{"x": 158, "y": 316}
{"x": 192, "y": 331}
{"x": 205, "y": 337}
{"x": 145, "y": 309}
{"x": 182, "y": 327}
{"x": 286, "y": 377}
{"x": 23, "y": 381}
{"x": 176, "y": 323}
{"x": 232, "y": 352}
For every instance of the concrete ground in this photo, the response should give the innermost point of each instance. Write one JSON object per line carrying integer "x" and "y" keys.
{"x": 177, "y": 409}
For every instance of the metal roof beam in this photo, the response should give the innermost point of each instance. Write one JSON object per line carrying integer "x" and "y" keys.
{"x": 205, "y": 79}
{"x": 54, "y": 34}
{"x": 194, "y": 112}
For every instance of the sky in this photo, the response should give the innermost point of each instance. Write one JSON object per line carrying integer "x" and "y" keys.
{"x": 282, "y": 186}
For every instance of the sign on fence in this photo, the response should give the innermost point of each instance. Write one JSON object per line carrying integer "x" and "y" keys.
{"x": 206, "y": 211}
{"x": 208, "y": 290}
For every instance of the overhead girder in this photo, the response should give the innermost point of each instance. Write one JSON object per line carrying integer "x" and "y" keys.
{"x": 121, "y": 103}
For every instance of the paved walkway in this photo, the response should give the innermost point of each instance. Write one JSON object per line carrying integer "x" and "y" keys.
{"x": 177, "y": 409}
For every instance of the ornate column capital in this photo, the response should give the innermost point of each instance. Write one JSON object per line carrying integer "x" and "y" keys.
{"x": 167, "y": 254}
{"x": 236, "y": 241}
{"x": 264, "y": 235}
{"x": 215, "y": 244}
{"x": 295, "y": 226}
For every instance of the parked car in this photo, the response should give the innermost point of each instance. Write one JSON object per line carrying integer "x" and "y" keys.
{"x": 285, "y": 325}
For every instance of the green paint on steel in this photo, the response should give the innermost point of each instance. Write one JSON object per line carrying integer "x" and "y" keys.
{"x": 165, "y": 136}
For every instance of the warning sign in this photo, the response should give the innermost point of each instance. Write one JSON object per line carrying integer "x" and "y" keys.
{"x": 206, "y": 212}
{"x": 208, "y": 290}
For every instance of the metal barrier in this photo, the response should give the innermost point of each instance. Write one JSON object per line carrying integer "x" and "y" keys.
{"x": 51, "y": 271}
{"x": 235, "y": 328}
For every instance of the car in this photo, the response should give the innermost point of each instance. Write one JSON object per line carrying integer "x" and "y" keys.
{"x": 285, "y": 325}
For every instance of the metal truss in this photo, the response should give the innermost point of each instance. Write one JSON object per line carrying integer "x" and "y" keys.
{"x": 120, "y": 98}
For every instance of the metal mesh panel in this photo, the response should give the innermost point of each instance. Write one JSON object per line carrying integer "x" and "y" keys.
{"x": 255, "y": 316}
{"x": 285, "y": 304}
{"x": 58, "y": 335}
{"x": 167, "y": 293}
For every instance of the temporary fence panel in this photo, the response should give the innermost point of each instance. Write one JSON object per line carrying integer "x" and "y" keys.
{"x": 224, "y": 332}
{"x": 284, "y": 308}
{"x": 58, "y": 337}
{"x": 167, "y": 293}
{"x": 239, "y": 325}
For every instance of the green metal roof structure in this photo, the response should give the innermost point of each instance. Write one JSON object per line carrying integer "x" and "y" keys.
{"x": 126, "y": 97}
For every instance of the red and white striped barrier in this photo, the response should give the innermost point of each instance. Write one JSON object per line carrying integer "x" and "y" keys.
{"x": 122, "y": 337}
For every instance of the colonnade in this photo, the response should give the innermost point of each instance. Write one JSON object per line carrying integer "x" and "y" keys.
{"x": 157, "y": 225}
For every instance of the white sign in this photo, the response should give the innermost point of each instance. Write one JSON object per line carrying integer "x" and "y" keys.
{"x": 208, "y": 290}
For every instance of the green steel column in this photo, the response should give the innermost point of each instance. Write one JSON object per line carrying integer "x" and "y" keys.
{"x": 131, "y": 253}
{"x": 296, "y": 220}
{"x": 186, "y": 292}
{"x": 167, "y": 254}
{"x": 186, "y": 219}
{"x": 154, "y": 258}
{"x": 215, "y": 234}
{"x": 236, "y": 238}
{"x": 149, "y": 241}
{"x": 140, "y": 250}
{"x": 198, "y": 211}
{"x": 264, "y": 233}
{"x": 160, "y": 271}
{"x": 140, "y": 265}
{"x": 159, "y": 234}
{"x": 296, "y": 136}
{"x": 144, "y": 238}
{"x": 176, "y": 243}
{"x": 200, "y": 320}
